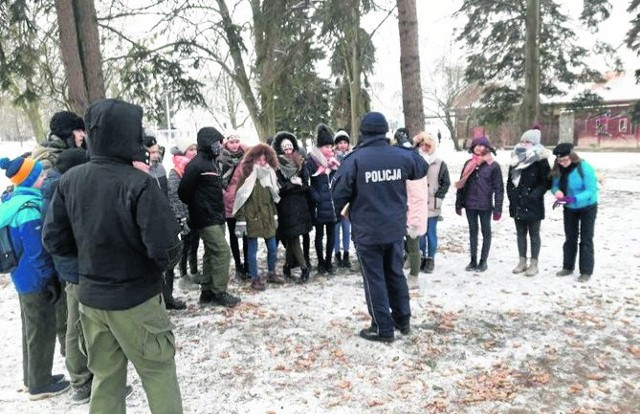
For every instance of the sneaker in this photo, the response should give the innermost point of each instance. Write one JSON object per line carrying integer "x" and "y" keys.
{"x": 225, "y": 299}
{"x": 584, "y": 277}
{"x": 51, "y": 390}
{"x": 564, "y": 272}
{"x": 371, "y": 334}
{"x": 82, "y": 394}
{"x": 206, "y": 296}
{"x": 258, "y": 284}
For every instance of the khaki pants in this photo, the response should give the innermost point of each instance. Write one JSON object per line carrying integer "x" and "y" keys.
{"x": 75, "y": 358}
{"x": 141, "y": 335}
{"x": 216, "y": 259}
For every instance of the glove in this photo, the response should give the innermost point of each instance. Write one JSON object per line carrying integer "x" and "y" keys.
{"x": 241, "y": 229}
{"x": 496, "y": 216}
{"x": 53, "y": 289}
{"x": 459, "y": 211}
{"x": 296, "y": 180}
{"x": 569, "y": 199}
{"x": 412, "y": 232}
{"x": 184, "y": 227}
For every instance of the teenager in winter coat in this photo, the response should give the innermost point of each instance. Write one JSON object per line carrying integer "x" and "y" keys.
{"x": 342, "y": 147}
{"x": 230, "y": 156}
{"x": 438, "y": 183}
{"x": 480, "y": 192}
{"x": 123, "y": 247}
{"x": 527, "y": 182}
{"x": 417, "y": 209}
{"x": 294, "y": 208}
{"x": 182, "y": 153}
{"x": 255, "y": 209}
{"x": 34, "y": 278}
{"x": 201, "y": 190}
{"x": 575, "y": 187}
{"x": 321, "y": 167}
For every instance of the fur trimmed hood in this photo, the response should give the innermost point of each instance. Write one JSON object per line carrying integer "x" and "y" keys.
{"x": 282, "y": 135}
{"x": 253, "y": 154}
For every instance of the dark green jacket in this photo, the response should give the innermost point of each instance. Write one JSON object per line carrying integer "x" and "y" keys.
{"x": 259, "y": 211}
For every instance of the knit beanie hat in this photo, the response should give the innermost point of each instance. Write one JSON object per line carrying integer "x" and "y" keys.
{"x": 533, "y": 136}
{"x": 182, "y": 144}
{"x": 374, "y": 123}
{"x": 63, "y": 124}
{"x": 231, "y": 134}
{"x": 70, "y": 158}
{"x": 22, "y": 171}
{"x": 324, "y": 135}
{"x": 562, "y": 150}
{"x": 480, "y": 141}
{"x": 341, "y": 135}
{"x": 402, "y": 137}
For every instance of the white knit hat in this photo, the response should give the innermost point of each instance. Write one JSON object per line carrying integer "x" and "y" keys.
{"x": 183, "y": 142}
{"x": 532, "y": 136}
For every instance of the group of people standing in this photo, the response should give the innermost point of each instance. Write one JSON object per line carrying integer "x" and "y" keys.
{"x": 93, "y": 208}
{"x": 571, "y": 180}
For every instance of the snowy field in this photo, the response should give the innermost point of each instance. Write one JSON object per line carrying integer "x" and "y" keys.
{"x": 488, "y": 342}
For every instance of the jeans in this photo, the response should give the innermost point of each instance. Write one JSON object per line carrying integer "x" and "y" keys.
{"x": 579, "y": 221}
{"x": 253, "y": 251}
{"x": 345, "y": 225}
{"x": 485, "y": 227}
{"x": 429, "y": 242}
{"x": 533, "y": 228}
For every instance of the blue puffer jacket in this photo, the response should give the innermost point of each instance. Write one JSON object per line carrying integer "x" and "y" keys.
{"x": 584, "y": 187}
{"x": 35, "y": 266}
{"x": 372, "y": 179}
{"x": 320, "y": 186}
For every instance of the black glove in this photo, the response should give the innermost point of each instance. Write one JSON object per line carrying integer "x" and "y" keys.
{"x": 54, "y": 289}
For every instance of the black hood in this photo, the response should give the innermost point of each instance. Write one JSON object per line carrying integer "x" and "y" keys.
{"x": 207, "y": 136}
{"x": 114, "y": 129}
{"x": 279, "y": 137}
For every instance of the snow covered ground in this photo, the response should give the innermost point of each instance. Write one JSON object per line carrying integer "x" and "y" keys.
{"x": 488, "y": 342}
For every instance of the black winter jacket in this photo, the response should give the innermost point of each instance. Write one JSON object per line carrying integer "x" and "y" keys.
{"x": 526, "y": 201}
{"x": 201, "y": 188}
{"x": 295, "y": 216}
{"x": 114, "y": 216}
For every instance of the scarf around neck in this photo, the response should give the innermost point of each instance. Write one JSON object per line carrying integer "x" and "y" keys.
{"x": 325, "y": 166}
{"x": 180, "y": 163}
{"x": 522, "y": 157}
{"x": 266, "y": 176}
{"x": 475, "y": 162}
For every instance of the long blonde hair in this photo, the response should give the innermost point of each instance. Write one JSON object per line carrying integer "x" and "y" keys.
{"x": 425, "y": 137}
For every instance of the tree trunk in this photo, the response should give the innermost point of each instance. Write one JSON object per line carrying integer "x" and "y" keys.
{"x": 530, "y": 109}
{"x": 32, "y": 110}
{"x": 80, "y": 49}
{"x": 355, "y": 71}
{"x": 410, "y": 66}
{"x": 87, "y": 26}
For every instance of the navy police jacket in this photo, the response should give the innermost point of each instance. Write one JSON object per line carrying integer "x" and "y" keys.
{"x": 372, "y": 179}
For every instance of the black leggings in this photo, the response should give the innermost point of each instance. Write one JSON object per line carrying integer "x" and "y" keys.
{"x": 324, "y": 255}
{"x": 485, "y": 227}
{"x": 533, "y": 228}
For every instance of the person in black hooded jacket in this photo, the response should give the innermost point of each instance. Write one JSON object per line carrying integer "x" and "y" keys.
{"x": 118, "y": 222}
{"x": 201, "y": 190}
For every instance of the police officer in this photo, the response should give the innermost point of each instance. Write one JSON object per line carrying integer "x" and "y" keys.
{"x": 372, "y": 180}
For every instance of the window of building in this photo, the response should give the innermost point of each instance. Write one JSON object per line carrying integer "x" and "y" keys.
{"x": 622, "y": 125}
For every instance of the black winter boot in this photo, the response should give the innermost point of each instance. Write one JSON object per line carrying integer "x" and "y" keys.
{"x": 473, "y": 265}
{"x": 430, "y": 265}
{"x": 167, "y": 292}
{"x": 286, "y": 271}
{"x": 305, "y": 274}
{"x": 345, "y": 260}
{"x": 423, "y": 264}
{"x": 482, "y": 266}
{"x": 338, "y": 259}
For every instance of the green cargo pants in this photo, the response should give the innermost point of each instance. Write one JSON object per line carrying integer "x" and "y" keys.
{"x": 38, "y": 339}
{"x": 216, "y": 258}
{"x": 413, "y": 250}
{"x": 75, "y": 358}
{"x": 141, "y": 335}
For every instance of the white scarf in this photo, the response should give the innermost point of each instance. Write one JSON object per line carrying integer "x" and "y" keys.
{"x": 524, "y": 156}
{"x": 267, "y": 178}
